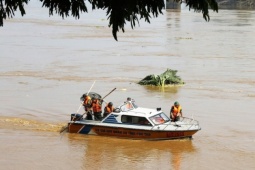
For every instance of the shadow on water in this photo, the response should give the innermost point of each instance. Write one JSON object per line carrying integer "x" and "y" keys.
{"x": 101, "y": 152}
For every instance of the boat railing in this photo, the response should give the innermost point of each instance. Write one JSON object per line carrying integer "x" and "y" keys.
{"x": 188, "y": 120}
{"x": 185, "y": 122}
{"x": 127, "y": 106}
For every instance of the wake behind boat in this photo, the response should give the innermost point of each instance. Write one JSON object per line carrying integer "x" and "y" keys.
{"x": 132, "y": 121}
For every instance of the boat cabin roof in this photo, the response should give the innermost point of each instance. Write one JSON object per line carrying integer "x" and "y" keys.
{"x": 142, "y": 112}
{"x": 130, "y": 112}
{"x": 130, "y": 108}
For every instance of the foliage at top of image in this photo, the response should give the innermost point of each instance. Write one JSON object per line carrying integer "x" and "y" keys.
{"x": 169, "y": 77}
{"x": 118, "y": 11}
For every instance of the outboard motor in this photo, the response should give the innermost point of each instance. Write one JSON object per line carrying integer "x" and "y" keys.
{"x": 76, "y": 117}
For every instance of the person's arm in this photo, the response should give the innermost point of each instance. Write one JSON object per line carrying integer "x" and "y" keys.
{"x": 83, "y": 103}
{"x": 90, "y": 103}
{"x": 105, "y": 110}
{"x": 171, "y": 112}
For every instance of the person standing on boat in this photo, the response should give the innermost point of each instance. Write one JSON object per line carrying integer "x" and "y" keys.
{"x": 176, "y": 112}
{"x": 87, "y": 103}
{"x": 97, "y": 108}
{"x": 108, "y": 109}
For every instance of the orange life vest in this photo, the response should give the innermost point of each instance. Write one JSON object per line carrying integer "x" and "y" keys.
{"x": 87, "y": 100}
{"x": 96, "y": 106}
{"x": 87, "y": 103}
{"x": 176, "y": 110}
{"x": 108, "y": 109}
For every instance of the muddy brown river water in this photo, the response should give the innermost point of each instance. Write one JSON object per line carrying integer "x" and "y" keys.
{"x": 46, "y": 63}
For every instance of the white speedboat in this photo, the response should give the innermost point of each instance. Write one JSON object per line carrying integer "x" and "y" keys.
{"x": 131, "y": 121}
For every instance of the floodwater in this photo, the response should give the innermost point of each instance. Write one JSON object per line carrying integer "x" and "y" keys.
{"x": 47, "y": 63}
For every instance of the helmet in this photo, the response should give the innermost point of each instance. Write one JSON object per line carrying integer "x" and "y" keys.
{"x": 176, "y": 103}
{"x": 110, "y": 103}
{"x": 128, "y": 99}
{"x": 82, "y": 98}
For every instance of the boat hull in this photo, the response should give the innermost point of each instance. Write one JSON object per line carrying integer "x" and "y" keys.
{"x": 129, "y": 132}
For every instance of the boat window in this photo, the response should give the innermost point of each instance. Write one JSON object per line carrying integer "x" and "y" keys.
{"x": 159, "y": 118}
{"x": 164, "y": 116}
{"x": 135, "y": 120}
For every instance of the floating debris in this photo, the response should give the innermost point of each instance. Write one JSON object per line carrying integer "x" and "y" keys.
{"x": 169, "y": 77}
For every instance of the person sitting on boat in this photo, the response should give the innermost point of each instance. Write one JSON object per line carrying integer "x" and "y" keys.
{"x": 87, "y": 103}
{"x": 97, "y": 108}
{"x": 176, "y": 112}
{"x": 128, "y": 103}
{"x": 108, "y": 109}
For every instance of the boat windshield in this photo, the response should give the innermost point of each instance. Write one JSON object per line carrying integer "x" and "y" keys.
{"x": 128, "y": 106}
{"x": 159, "y": 118}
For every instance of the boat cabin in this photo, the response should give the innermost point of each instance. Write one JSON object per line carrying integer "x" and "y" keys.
{"x": 130, "y": 114}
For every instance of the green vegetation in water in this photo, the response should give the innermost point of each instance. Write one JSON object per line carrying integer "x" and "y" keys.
{"x": 169, "y": 77}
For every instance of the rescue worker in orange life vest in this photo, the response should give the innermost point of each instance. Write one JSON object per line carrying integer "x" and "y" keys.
{"x": 87, "y": 103}
{"x": 176, "y": 112}
{"x": 97, "y": 108}
{"x": 108, "y": 109}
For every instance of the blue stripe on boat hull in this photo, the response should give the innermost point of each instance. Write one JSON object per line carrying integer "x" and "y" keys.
{"x": 110, "y": 119}
{"x": 86, "y": 129}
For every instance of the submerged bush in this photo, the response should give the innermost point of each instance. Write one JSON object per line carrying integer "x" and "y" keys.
{"x": 169, "y": 77}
